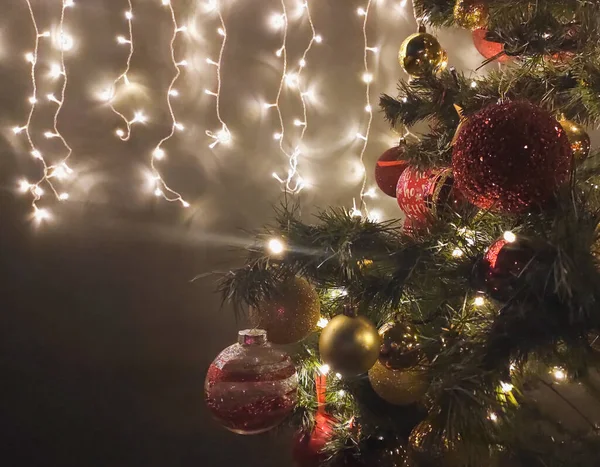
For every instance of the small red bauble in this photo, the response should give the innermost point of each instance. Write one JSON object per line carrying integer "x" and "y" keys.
{"x": 251, "y": 387}
{"x": 511, "y": 157}
{"x": 422, "y": 194}
{"x": 388, "y": 169}
{"x": 487, "y": 48}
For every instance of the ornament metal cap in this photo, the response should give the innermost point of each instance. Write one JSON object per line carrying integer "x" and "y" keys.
{"x": 252, "y": 337}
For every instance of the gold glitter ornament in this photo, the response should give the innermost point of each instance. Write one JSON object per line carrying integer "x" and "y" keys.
{"x": 398, "y": 387}
{"x": 349, "y": 345}
{"x": 400, "y": 346}
{"x": 291, "y": 314}
{"x": 470, "y": 14}
{"x": 578, "y": 139}
{"x": 421, "y": 55}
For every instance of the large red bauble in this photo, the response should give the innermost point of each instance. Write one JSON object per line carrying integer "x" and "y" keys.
{"x": 511, "y": 157}
{"x": 388, "y": 169}
{"x": 251, "y": 387}
{"x": 487, "y": 48}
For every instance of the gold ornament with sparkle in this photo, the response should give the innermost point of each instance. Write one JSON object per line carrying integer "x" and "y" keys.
{"x": 398, "y": 387}
{"x": 421, "y": 54}
{"x": 578, "y": 139}
{"x": 400, "y": 346}
{"x": 291, "y": 314}
{"x": 349, "y": 345}
{"x": 470, "y": 14}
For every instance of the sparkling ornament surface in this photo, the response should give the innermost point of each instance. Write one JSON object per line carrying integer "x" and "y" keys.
{"x": 422, "y": 195}
{"x": 251, "y": 387}
{"x": 421, "y": 55}
{"x": 400, "y": 346}
{"x": 388, "y": 169}
{"x": 350, "y": 346}
{"x": 291, "y": 314}
{"x": 511, "y": 157}
{"x": 488, "y": 49}
{"x": 470, "y": 14}
{"x": 578, "y": 139}
{"x": 398, "y": 387}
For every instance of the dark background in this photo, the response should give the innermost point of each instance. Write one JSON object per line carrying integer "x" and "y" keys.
{"x": 104, "y": 339}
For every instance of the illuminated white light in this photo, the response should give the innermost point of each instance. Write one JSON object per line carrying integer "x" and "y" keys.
{"x": 181, "y": 29}
{"x": 44, "y": 34}
{"x": 338, "y": 375}
{"x": 211, "y": 5}
{"x": 120, "y": 133}
{"x": 223, "y": 136}
{"x": 158, "y": 153}
{"x": 361, "y": 136}
{"x": 276, "y": 246}
{"x": 68, "y": 3}
{"x": 277, "y": 136}
{"x": 55, "y": 70}
{"x": 375, "y": 216}
{"x": 318, "y": 38}
{"x": 49, "y": 134}
{"x": 302, "y": 62}
{"x": 341, "y": 393}
{"x": 183, "y": 63}
{"x": 63, "y": 196}
{"x": 32, "y": 100}
{"x": 221, "y": 32}
{"x": 37, "y": 190}
{"x": 174, "y": 92}
{"x": 179, "y": 126}
{"x": 158, "y": 192}
{"x": 298, "y": 122}
{"x": 18, "y": 129}
{"x": 510, "y": 237}
{"x": 324, "y": 369}
{"x": 30, "y": 57}
{"x": 371, "y": 193}
{"x": 368, "y": 108}
{"x": 266, "y": 105}
{"x": 361, "y": 11}
{"x": 367, "y": 77}
{"x": 106, "y": 95}
{"x": 322, "y": 322}
{"x": 506, "y": 387}
{"x": 559, "y": 374}
{"x": 37, "y": 154}
{"x": 128, "y": 15}
{"x": 65, "y": 42}
{"x": 123, "y": 40}
{"x": 166, "y": 2}
{"x": 211, "y": 62}
{"x": 457, "y": 253}
{"x": 278, "y": 52}
{"x": 139, "y": 116}
{"x": 277, "y": 20}
{"x": 185, "y": 204}
{"x": 291, "y": 79}
{"x": 372, "y": 49}
{"x": 473, "y": 84}
{"x": 52, "y": 98}
{"x": 41, "y": 214}
{"x": 402, "y": 4}
{"x": 493, "y": 417}
{"x": 24, "y": 186}
{"x": 479, "y": 301}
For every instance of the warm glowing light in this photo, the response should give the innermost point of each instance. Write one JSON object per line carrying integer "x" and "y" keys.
{"x": 63, "y": 196}
{"x": 479, "y": 301}
{"x": 324, "y": 369}
{"x": 30, "y": 57}
{"x": 123, "y": 40}
{"x": 291, "y": 79}
{"x": 361, "y": 11}
{"x": 65, "y": 42}
{"x": 41, "y": 214}
{"x": 559, "y": 374}
{"x": 506, "y": 387}
{"x": 55, "y": 70}
{"x": 367, "y": 77}
{"x": 18, "y": 129}
{"x": 38, "y": 191}
{"x": 37, "y": 154}
{"x": 473, "y": 84}
{"x": 277, "y": 20}
{"x": 322, "y": 322}
{"x": 129, "y": 15}
{"x": 493, "y": 417}
{"x": 375, "y": 216}
{"x": 174, "y": 92}
{"x": 158, "y": 154}
{"x": 318, "y": 38}
{"x": 510, "y": 237}
{"x": 179, "y": 126}
{"x": 341, "y": 393}
{"x": 24, "y": 186}
{"x": 120, "y": 133}
{"x": 32, "y": 100}
{"x": 276, "y": 246}
{"x": 457, "y": 253}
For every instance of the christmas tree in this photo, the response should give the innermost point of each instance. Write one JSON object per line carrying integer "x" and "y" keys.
{"x": 422, "y": 342}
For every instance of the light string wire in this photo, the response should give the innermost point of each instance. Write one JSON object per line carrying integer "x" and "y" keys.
{"x": 161, "y": 188}
{"x": 60, "y": 170}
{"x": 110, "y": 94}
{"x": 367, "y": 78}
{"x": 223, "y": 135}
{"x": 294, "y": 183}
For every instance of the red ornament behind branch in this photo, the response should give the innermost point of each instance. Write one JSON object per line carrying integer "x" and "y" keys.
{"x": 388, "y": 169}
{"x": 489, "y": 49}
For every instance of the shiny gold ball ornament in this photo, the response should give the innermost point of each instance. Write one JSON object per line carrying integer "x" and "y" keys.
{"x": 400, "y": 346}
{"x": 290, "y": 314}
{"x": 349, "y": 345}
{"x": 398, "y": 387}
{"x": 421, "y": 55}
{"x": 578, "y": 139}
{"x": 470, "y": 14}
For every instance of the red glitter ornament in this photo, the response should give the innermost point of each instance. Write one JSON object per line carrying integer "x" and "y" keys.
{"x": 511, "y": 157}
{"x": 388, "y": 169}
{"x": 423, "y": 194}
{"x": 487, "y": 48}
{"x": 251, "y": 387}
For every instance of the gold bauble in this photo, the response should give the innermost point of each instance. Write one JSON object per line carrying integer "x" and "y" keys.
{"x": 470, "y": 14}
{"x": 290, "y": 314}
{"x": 400, "y": 346}
{"x": 398, "y": 387}
{"x": 421, "y": 55}
{"x": 349, "y": 345}
{"x": 578, "y": 139}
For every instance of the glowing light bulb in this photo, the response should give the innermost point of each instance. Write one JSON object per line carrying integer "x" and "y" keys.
{"x": 210, "y": 61}
{"x": 41, "y": 214}
{"x": 493, "y": 417}
{"x": 68, "y": 3}
{"x": 30, "y": 57}
{"x": 278, "y": 52}
{"x": 106, "y": 95}
{"x": 368, "y": 108}
{"x": 174, "y": 92}
{"x": 139, "y": 116}
{"x": 277, "y": 136}
{"x": 479, "y": 301}
{"x": 211, "y": 5}
{"x": 506, "y": 387}
{"x": 24, "y": 186}
{"x": 324, "y": 369}
{"x": 183, "y": 63}
{"x": 276, "y": 246}
{"x": 473, "y": 84}
{"x": 123, "y": 40}
{"x": 55, "y": 70}
{"x": 37, "y": 154}
{"x": 361, "y": 11}
{"x": 63, "y": 196}
{"x": 37, "y": 190}
{"x": 318, "y": 38}
{"x": 182, "y": 29}
{"x": 18, "y": 129}
{"x": 65, "y": 42}
{"x": 375, "y": 216}
{"x": 32, "y": 100}
{"x": 367, "y": 77}
{"x": 341, "y": 393}
{"x": 509, "y": 236}
{"x": 120, "y": 133}
{"x": 223, "y": 136}
{"x": 185, "y": 204}
{"x": 302, "y": 62}
{"x": 166, "y": 2}
{"x": 221, "y": 32}
{"x": 372, "y": 49}
{"x": 158, "y": 192}
{"x": 559, "y": 374}
{"x": 371, "y": 193}
{"x": 128, "y": 15}
{"x": 277, "y": 20}
{"x": 179, "y": 126}
{"x": 298, "y": 122}
{"x": 291, "y": 79}
{"x": 158, "y": 153}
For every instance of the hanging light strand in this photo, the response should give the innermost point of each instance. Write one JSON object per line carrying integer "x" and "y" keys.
{"x": 109, "y": 94}
{"x": 160, "y": 186}
{"x": 293, "y": 182}
{"x": 223, "y": 135}
{"x": 367, "y": 78}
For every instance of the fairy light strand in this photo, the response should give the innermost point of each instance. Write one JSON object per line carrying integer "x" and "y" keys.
{"x": 109, "y": 94}
{"x": 222, "y": 136}
{"x": 294, "y": 183}
{"x": 160, "y": 186}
